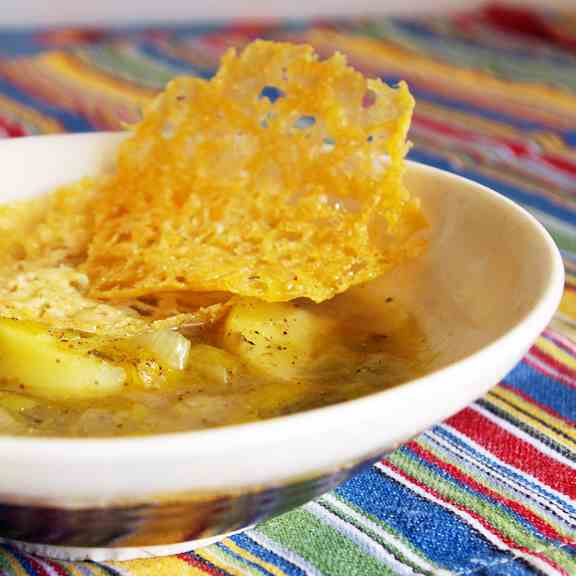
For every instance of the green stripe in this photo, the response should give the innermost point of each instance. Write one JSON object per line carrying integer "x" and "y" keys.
{"x": 564, "y": 240}
{"x": 226, "y": 559}
{"x": 490, "y": 483}
{"x": 122, "y": 62}
{"x": 393, "y": 550}
{"x": 502, "y": 521}
{"x": 6, "y": 564}
{"x": 483, "y": 58}
{"x": 311, "y": 538}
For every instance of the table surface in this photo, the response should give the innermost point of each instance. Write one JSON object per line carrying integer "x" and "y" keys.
{"x": 493, "y": 489}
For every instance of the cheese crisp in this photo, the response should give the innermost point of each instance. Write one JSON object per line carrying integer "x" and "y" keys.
{"x": 266, "y": 181}
{"x": 218, "y": 273}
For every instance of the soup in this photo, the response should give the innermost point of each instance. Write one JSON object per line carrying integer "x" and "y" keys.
{"x": 261, "y": 360}
{"x": 226, "y": 269}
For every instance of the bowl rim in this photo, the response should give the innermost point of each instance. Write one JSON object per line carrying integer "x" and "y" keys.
{"x": 198, "y": 441}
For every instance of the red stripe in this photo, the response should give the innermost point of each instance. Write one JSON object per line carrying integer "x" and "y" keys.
{"x": 562, "y": 342}
{"x": 12, "y": 129}
{"x": 551, "y": 361}
{"x": 57, "y": 567}
{"x": 480, "y": 519}
{"x": 36, "y": 564}
{"x": 519, "y": 149}
{"x": 515, "y": 451}
{"x": 564, "y": 164}
{"x": 521, "y": 510}
{"x": 470, "y": 94}
{"x": 535, "y": 402}
{"x": 194, "y": 560}
{"x": 457, "y": 132}
{"x": 537, "y": 364}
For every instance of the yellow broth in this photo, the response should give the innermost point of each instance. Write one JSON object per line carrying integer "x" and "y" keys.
{"x": 365, "y": 344}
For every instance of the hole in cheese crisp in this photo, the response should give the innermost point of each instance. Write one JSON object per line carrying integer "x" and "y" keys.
{"x": 265, "y": 182}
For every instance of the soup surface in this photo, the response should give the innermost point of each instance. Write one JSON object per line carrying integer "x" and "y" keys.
{"x": 260, "y": 360}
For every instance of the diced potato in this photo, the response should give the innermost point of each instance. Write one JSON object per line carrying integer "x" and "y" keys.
{"x": 281, "y": 339}
{"x": 8, "y": 424}
{"x": 214, "y": 365}
{"x": 168, "y": 347}
{"x": 39, "y": 363}
{"x": 16, "y": 402}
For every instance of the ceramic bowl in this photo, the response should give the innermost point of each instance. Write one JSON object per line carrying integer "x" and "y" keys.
{"x": 487, "y": 286}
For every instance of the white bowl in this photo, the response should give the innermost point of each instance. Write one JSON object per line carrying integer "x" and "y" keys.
{"x": 488, "y": 285}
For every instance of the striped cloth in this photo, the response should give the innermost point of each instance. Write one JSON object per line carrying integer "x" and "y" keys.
{"x": 492, "y": 491}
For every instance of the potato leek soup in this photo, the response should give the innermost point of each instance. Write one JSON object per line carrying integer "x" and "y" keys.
{"x": 227, "y": 268}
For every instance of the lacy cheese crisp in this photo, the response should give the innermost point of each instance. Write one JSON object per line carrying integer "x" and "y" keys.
{"x": 277, "y": 179}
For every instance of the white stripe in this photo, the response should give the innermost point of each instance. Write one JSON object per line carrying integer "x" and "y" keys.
{"x": 88, "y": 572}
{"x": 460, "y": 513}
{"x": 542, "y": 503}
{"x": 469, "y": 519}
{"x": 229, "y": 562}
{"x": 541, "y": 168}
{"x": 534, "y": 442}
{"x": 360, "y": 539}
{"x": 493, "y": 154}
{"x": 285, "y": 553}
{"x": 373, "y": 527}
{"x": 550, "y": 370}
{"x": 552, "y": 221}
{"x": 49, "y": 570}
{"x": 503, "y": 464}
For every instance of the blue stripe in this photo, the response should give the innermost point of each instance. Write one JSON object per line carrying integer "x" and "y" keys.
{"x": 20, "y": 557}
{"x": 427, "y": 525}
{"x": 451, "y": 104}
{"x": 104, "y": 567}
{"x": 504, "y": 470}
{"x": 522, "y": 197}
{"x": 516, "y": 567}
{"x": 70, "y": 122}
{"x": 445, "y": 475}
{"x": 493, "y": 52}
{"x": 179, "y": 66}
{"x": 260, "y": 551}
{"x": 495, "y": 478}
{"x": 543, "y": 389}
{"x": 243, "y": 560}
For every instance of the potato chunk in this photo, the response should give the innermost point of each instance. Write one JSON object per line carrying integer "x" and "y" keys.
{"x": 281, "y": 339}
{"x": 38, "y": 362}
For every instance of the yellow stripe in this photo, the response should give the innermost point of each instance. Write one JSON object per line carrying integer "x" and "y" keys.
{"x": 401, "y": 60}
{"x": 568, "y": 304}
{"x": 10, "y": 559}
{"x": 548, "y": 141}
{"x": 536, "y": 412}
{"x": 556, "y": 352}
{"x": 252, "y": 558}
{"x": 94, "y": 569}
{"x": 87, "y": 77}
{"x": 219, "y": 560}
{"x": 75, "y": 571}
{"x": 29, "y": 115}
{"x": 564, "y": 325}
{"x": 167, "y": 566}
{"x": 532, "y": 422}
{"x": 486, "y": 125}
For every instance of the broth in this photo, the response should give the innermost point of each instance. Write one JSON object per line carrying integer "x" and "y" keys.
{"x": 365, "y": 344}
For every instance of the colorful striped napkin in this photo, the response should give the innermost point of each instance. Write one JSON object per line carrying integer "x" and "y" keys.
{"x": 492, "y": 491}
